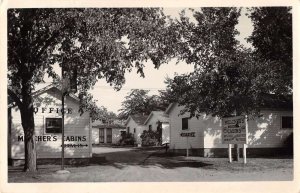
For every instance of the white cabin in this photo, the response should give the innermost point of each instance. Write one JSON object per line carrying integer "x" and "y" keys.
{"x": 135, "y": 125}
{"x": 48, "y": 127}
{"x": 158, "y": 120}
{"x": 106, "y": 133}
{"x": 267, "y": 134}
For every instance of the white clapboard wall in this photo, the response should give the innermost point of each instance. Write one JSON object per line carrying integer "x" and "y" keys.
{"x": 77, "y": 128}
{"x": 263, "y": 132}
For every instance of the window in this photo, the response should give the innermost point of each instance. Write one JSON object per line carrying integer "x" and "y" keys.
{"x": 123, "y": 133}
{"x": 286, "y": 122}
{"x": 150, "y": 127}
{"x": 134, "y": 130}
{"x": 185, "y": 123}
{"x": 53, "y": 125}
{"x": 128, "y": 129}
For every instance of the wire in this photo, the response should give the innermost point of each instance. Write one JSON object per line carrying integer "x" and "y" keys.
{"x": 123, "y": 88}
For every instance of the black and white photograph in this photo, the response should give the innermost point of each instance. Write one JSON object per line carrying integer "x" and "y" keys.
{"x": 149, "y": 94}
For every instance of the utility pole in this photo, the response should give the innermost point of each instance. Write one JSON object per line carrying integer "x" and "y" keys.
{"x": 63, "y": 120}
{"x": 63, "y": 94}
{"x": 67, "y": 86}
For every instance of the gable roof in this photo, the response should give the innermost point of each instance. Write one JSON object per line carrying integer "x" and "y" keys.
{"x": 54, "y": 87}
{"x": 170, "y": 107}
{"x": 139, "y": 119}
{"x": 41, "y": 91}
{"x": 161, "y": 116}
{"x": 113, "y": 126}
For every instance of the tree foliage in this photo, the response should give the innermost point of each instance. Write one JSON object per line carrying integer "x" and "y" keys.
{"x": 236, "y": 87}
{"x": 210, "y": 44}
{"x": 96, "y": 112}
{"x": 272, "y": 41}
{"x": 138, "y": 101}
{"x": 93, "y": 43}
{"x": 227, "y": 77}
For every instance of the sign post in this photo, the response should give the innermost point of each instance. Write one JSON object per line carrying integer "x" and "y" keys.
{"x": 234, "y": 132}
{"x": 245, "y": 144}
{"x": 66, "y": 88}
{"x": 63, "y": 132}
{"x": 229, "y": 153}
{"x": 62, "y": 119}
{"x": 187, "y": 135}
{"x": 244, "y": 154}
{"x": 187, "y": 146}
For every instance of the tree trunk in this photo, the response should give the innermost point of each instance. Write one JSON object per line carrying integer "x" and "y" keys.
{"x": 27, "y": 117}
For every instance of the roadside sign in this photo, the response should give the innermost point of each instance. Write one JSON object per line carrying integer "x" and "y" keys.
{"x": 234, "y": 130}
{"x": 187, "y": 135}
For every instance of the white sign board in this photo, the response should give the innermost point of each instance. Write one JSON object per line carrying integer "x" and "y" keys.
{"x": 234, "y": 130}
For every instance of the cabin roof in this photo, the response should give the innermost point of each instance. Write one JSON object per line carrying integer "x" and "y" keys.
{"x": 161, "y": 116}
{"x": 113, "y": 126}
{"x": 170, "y": 107}
{"x": 53, "y": 87}
{"x": 139, "y": 119}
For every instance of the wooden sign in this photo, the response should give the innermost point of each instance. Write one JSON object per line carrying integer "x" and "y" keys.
{"x": 234, "y": 130}
{"x": 189, "y": 134}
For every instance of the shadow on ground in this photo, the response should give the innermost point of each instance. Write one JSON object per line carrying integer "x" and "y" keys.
{"x": 147, "y": 158}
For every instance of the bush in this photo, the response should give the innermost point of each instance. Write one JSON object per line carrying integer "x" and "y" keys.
{"x": 127, "y": 139}
{"x": 150, "y": 138}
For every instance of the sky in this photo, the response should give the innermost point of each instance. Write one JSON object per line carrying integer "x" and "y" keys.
{"x": 154, "y": 78}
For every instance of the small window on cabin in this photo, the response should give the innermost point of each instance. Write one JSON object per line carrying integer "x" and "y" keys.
{"x": 134, "y": 130}
{"x": 286, "y": 122}
{"x": 150, "y": 127}
{"x": 53, "y": 125}
{"x": 185, "y": 123}
{"x": 123, "y": 133}
{"x": 128, "y": 129}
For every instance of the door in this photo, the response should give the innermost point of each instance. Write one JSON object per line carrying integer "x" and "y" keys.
{"x": 101, "y": 135}
{"x": 108, "y": 135}
{"x": 159, "y": 129}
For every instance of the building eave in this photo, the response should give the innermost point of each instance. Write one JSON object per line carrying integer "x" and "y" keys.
{"x": 127, "y": 120}
{"x": 46, "y": 88}
{"x": 170, "y": 107}
{"x": 148, "y": 118}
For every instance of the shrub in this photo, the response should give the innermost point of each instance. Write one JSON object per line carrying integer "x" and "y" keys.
{"x": 150, "y": 138}
{"x": 127, "y": 139}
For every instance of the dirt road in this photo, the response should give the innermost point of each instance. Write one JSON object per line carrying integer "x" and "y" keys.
{"x": 153, "y": 165}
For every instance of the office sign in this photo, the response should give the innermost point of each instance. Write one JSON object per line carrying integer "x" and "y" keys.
{"x": 234, "y": 130}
